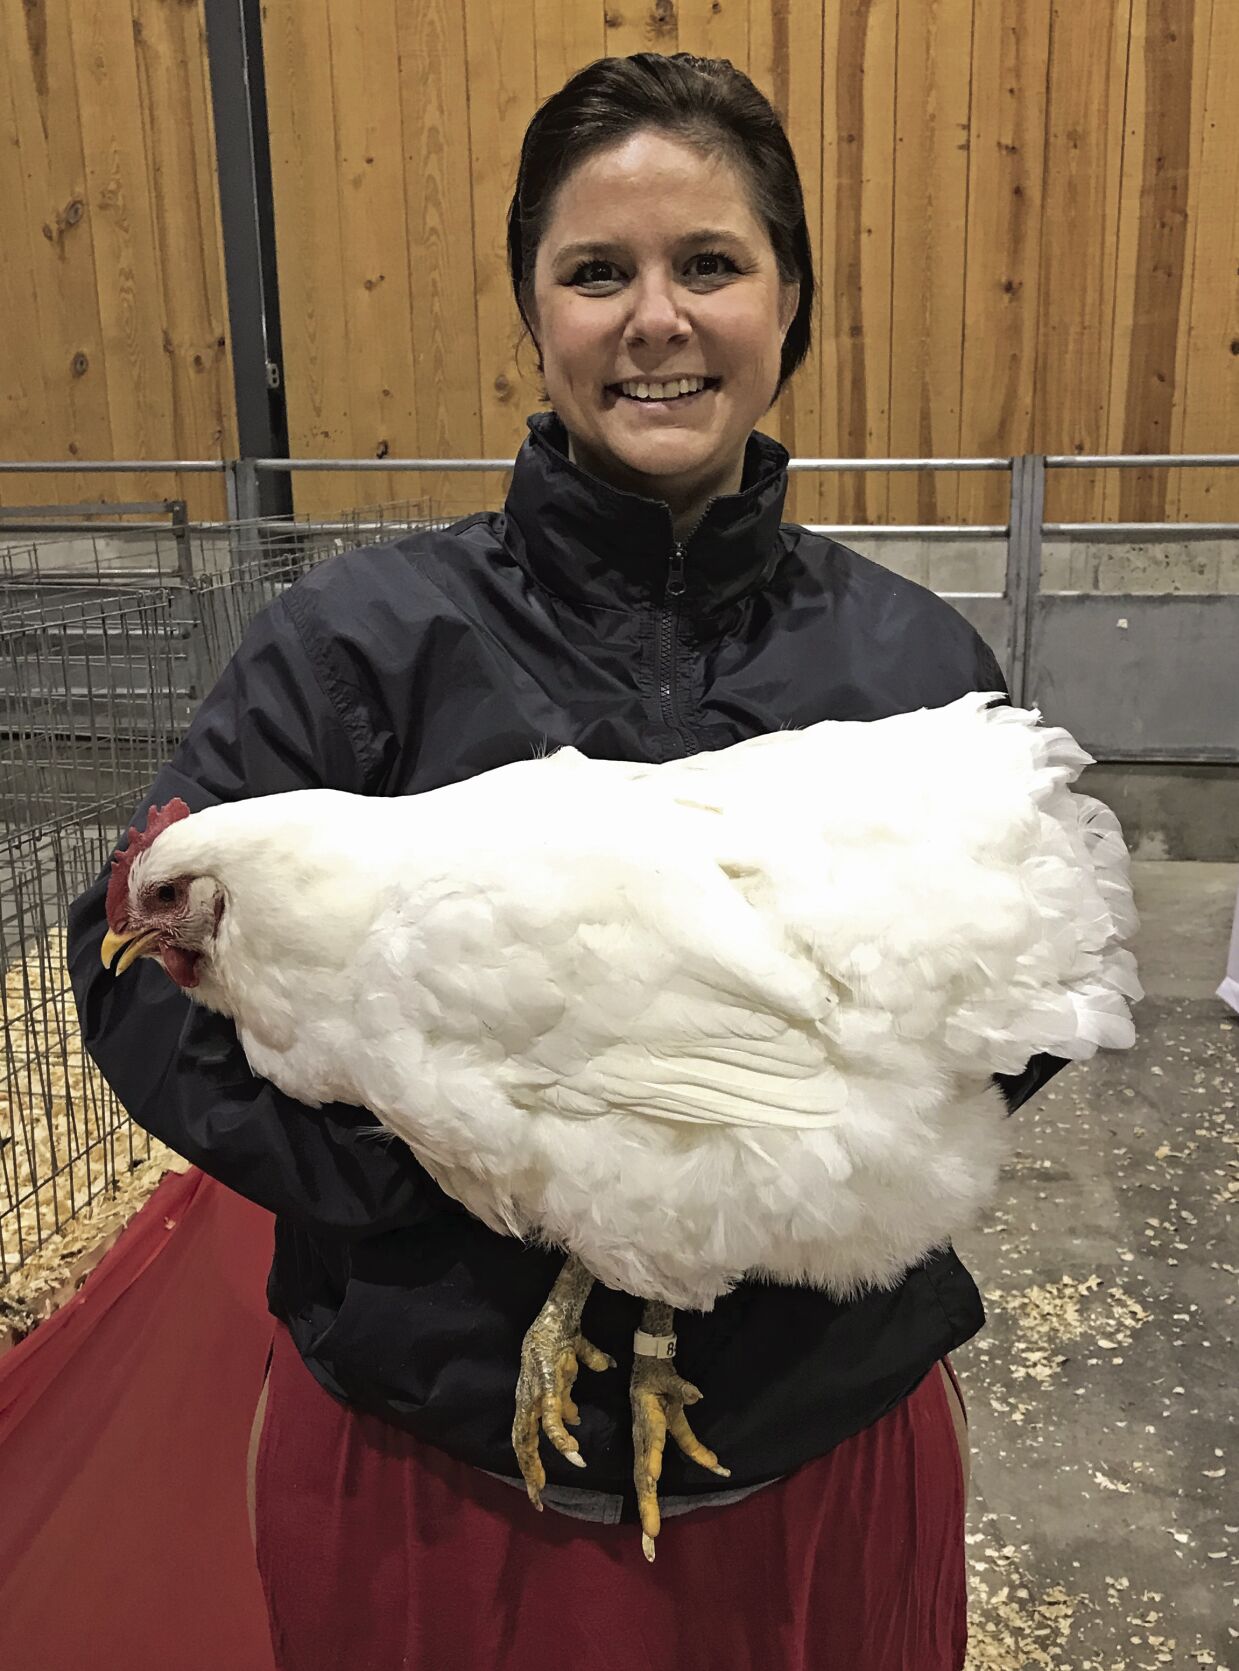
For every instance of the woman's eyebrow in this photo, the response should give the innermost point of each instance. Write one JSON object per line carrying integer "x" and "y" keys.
{"x": 608, "y": 246}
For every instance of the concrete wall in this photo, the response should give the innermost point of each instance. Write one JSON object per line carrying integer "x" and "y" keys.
{"x": 1067, "y": 564}
{"x": 1172, "y": 811}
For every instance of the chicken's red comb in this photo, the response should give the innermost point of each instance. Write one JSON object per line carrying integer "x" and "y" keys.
{"x": 157, "y": 821}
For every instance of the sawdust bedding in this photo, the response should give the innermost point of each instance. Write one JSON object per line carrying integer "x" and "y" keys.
{"x": 73, "y": 1168}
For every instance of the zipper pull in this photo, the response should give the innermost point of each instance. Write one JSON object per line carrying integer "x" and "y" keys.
{"x": 675, "y": 580}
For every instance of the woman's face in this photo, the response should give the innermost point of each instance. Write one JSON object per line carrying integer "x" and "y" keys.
{"x": 652, "y": 268}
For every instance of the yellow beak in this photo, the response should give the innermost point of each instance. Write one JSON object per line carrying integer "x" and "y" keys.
{"x": 131, "y": 947}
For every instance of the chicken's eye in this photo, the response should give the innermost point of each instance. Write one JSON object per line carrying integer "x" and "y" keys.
{"x": 165, "y": 893}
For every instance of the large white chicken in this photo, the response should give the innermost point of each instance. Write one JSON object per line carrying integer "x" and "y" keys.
{"x": 732, "y": 1015}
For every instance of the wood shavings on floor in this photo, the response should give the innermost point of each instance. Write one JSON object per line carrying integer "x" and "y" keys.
{"x": 1103, "y": 1529}
{"x": 73, "y": 1168}
{"x": 1014, "y": 1626}
{"x": 1011, "y": 1628}
{"x": 53, "y": 1274}
{"x": 1045, "y": 1317}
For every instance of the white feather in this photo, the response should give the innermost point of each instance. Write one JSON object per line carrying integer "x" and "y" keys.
{"x": 731, "y": 1015}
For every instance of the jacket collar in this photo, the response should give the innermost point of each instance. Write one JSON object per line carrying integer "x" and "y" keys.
{"x": 594, "y": 543}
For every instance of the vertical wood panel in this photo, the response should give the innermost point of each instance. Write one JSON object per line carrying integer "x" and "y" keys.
{"x": 767, "y": 70}
{"x": 640, "y": 26}
{"x": 1083, "y": 168}
{"x": 715, "y": 29}
{"x": 55, "y": 361}
{"x": 178, "y": 142}
{"x": 111, "y": 199}
{"x": 33, "y": 334}
{"x": 502, "y": 98}
{"x": 1207, "y": 384}
{"x": 568, "y": 34}
{"x": 766, "y": 47}
{"x": 858, "y": 138}
{"x": 129, "y": 268}
{"x": 365, "y": 77}
{"x": 309, "y": 241}
{"x": 786, "y": 44}
{"x": 1153, "y": 249}
{"x": 1010, "y": 49}
{"x": 931, "y": 205}
{"x": 1067, "y": 281}
{"x": 801, "y": 113}
{"x": 1202, "y": 35}
{"x": 439, "y": 206}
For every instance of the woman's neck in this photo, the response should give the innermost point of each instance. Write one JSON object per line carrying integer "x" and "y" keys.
{"x": 685, "y": 516}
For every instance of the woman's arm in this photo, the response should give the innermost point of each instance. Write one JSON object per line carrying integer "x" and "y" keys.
{"x": 275, "y": 721}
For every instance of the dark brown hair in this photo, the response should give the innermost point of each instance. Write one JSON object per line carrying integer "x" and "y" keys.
{"x": 707, "y": 103}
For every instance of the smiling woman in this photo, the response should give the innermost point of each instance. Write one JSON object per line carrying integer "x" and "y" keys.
{"x": 661, "y": 349}
{"x": 662, "y": 341}
{"x": 640, "y": 599}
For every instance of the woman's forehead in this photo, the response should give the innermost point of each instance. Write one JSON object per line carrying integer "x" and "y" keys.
{"x": 649, "y": 189}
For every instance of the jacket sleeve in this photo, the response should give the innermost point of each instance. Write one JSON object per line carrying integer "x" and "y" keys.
{"x": 1017, "y": 1088}
{"x": 276, "y": 720}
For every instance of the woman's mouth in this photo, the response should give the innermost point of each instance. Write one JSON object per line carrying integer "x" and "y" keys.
{"x": 670, "y": 395}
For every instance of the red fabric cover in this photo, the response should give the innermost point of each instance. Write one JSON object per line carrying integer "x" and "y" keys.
{"x": 124, "y": 1422}
{"x": 380, "y": 1553}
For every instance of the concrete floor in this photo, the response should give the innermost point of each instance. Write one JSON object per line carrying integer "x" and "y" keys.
{"x": 1104, "y": 1521}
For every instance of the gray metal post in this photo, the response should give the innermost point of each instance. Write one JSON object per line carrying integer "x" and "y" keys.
{"x": 230, "y": 488}
{"x": 243, "y": 165}
{"x": 180, "y": 533}
{"x": 246, "y": 478}
{"x": 1035, "y": 513}
{"x": 1023, "y": 567}
{"x": 186, "y": 605}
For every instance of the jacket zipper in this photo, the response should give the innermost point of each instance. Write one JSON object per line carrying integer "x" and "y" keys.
{"x": 667, "y": 634}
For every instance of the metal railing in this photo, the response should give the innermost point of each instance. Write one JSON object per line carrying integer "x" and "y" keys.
{"x": 1058, "y": 649}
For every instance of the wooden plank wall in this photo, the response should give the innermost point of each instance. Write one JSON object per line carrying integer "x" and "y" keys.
{"x": 1025, "y": 215}
{"x": 114, "y": 331}
{"x": 1023, "y": 212}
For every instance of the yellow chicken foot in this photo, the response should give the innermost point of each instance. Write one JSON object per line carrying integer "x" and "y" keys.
{"x": 659, "y": 1396}
{"x": 551, "y": 1354}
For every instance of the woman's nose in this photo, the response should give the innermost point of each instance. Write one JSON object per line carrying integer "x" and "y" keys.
{"x": 657, "y": 312}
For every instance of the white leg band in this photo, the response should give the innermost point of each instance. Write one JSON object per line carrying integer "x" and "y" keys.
{"x": 653, "y": 1345}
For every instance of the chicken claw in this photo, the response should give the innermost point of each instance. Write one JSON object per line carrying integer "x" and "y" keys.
{"x": 659, "y": 1396}
{"x": 552, "y": 1352}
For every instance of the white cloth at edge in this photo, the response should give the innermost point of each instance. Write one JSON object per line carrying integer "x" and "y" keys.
{"x": 1229, "y": 989}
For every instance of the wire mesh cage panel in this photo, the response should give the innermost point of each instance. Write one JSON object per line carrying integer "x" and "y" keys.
{"x": 107, "y": 644}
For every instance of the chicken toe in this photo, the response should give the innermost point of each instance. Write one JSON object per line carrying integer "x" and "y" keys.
{"x": 551, "y": 1355}
{"x": 659, "y": 1397}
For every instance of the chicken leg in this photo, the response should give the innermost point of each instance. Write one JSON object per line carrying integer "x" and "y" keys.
{"x": 551, "y": 1354}
{"x": 659, "y": 1396}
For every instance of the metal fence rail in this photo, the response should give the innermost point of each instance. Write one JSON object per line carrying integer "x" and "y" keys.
{"x": 1162, "y": 692}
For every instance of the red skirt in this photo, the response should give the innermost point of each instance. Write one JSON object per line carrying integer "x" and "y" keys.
{"x": 379, "y": 1553}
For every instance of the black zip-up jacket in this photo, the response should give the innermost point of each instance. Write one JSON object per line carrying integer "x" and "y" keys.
{"x": 571, "y": 617}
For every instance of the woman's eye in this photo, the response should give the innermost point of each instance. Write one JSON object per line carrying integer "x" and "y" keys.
{"x": 587, "y": 267}
{"x": 715, "y": 255}
{"x": 586, "y": 272}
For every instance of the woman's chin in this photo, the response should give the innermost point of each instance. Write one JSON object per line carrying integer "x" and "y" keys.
{"x": 663, "y": 456}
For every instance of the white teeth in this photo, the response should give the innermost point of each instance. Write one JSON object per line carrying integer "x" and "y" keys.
{"x": 663, "y": 391}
